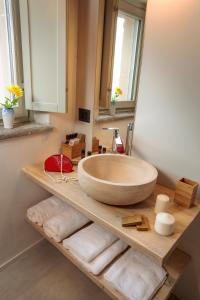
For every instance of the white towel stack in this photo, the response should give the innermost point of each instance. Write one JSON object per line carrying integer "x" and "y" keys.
{"x": 62, "y": 225}
{"x": 97, "y": 265}
{"x": 44, "y": 210}
{"x": 94, "y": 247}
{"x": 136, "y": 276}
{"x": 89, "y": 242}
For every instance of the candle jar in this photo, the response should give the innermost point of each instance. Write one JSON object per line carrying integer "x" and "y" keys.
{"x": 162, "y": 203}
{"x": 164, "y": 224}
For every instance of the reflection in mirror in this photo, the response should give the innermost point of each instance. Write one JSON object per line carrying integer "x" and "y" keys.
{"x": 122, "y": 44}
{"x": 127, "y": 45}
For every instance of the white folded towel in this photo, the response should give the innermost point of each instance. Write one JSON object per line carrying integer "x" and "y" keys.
{"x": 45, "y": 209}
{"x": 97, "y": 265}
{"x": 89, "y": 242}
{"x": 136, "y": 276}
{"x": 62, "y": 225}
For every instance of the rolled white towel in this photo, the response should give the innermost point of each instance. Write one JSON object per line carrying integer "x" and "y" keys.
{"x": 97, "y": 265}
{"x": 45, "y": 209}
{"x": 62, "y": 225}
{"x": 136, "y": 276}
{"x": 89, "y": 242}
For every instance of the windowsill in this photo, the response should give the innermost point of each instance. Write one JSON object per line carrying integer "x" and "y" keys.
{"x": 23, "y": 129}
{"x": 118, "y": 116}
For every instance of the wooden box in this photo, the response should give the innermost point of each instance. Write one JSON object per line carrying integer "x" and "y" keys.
{"x": 185, "y": 192}
{"x": 73, "y": 151}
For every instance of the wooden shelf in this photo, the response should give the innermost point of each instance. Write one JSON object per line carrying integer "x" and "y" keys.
{"x": 175, "y": 267}
{"x": 150, "y": 243}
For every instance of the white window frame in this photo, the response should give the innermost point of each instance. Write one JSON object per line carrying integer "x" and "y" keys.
{"x": 15, "y": 53}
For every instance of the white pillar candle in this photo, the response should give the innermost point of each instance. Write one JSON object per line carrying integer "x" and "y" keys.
{"x": 162, "y": 203}
{"x": 164, "y": 224}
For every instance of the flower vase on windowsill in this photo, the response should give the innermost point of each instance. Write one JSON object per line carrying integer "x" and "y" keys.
{"x": 114, "y": 99}
{"x": 112, "y": 108}
{"x": 8, "y": 117}
{"x": 8, "y": 104}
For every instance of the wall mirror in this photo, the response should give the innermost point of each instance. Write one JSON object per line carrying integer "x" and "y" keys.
{"x": 121, "y": 53}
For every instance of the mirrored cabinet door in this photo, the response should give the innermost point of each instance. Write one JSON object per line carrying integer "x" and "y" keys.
{"x": 122, "y": 44}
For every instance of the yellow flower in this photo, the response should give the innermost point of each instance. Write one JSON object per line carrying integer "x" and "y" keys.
{"x": 16, "y": 90}
{"x": 118, "y": 91}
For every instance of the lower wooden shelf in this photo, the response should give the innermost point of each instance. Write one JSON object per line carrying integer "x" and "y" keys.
{"x": 175, "y": 267}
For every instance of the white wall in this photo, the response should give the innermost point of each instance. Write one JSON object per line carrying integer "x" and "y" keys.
{"x": 18, "y": 192}
{"x": 167, "y": 127}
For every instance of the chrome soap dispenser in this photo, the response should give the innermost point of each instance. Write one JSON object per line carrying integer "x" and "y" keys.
{"x": 117, "y": 143}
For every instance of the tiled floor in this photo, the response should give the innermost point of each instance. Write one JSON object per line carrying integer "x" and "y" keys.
{"x": 42, "y": 273}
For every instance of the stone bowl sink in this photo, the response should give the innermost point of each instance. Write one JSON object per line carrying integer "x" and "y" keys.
{"x": 116, "y": 179}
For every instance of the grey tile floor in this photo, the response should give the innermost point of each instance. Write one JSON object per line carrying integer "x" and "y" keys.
{"x": 43, "y": 273}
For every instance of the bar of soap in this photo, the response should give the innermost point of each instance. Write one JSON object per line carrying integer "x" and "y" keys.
{"x": 133, "y": 220}
{"x": 145, "y": 224}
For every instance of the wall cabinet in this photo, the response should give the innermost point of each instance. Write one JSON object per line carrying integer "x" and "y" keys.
{"x": 48, "y": 53}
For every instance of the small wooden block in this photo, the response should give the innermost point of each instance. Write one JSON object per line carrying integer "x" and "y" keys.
{"x": 131, "y": 220}
{"x": 145, "y": 224}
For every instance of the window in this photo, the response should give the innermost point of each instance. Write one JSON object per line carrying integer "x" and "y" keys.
{"x": 10, "y": 50}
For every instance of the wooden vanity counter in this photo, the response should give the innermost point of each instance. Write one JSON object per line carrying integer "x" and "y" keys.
{"x": 149, "y": 242}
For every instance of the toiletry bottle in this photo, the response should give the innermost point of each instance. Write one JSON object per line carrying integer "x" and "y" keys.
{"x": 100, "y": 149}
{"x": 89, "y": 153}
{"x": 117, "y": 143}
{"x": 104, "y": 150}
{"x": 83, "y": 153}
{"x": 67, "y": 139}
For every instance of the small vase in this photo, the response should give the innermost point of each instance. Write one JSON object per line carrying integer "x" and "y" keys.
{"x": 112, "y": 108}
{"x": 8, "y": 117}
